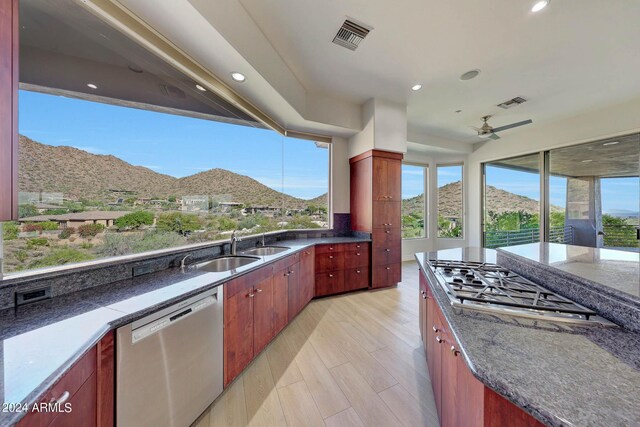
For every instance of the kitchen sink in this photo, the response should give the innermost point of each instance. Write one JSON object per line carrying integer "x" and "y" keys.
{"x": 226, "y": 263}
{"x": 266, "y": 250}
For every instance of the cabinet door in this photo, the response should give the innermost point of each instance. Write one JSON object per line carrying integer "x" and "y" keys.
{"x": 434, "y": 345}
{"x": 306, "y": 277}
{"x": 329, "y": 262}
{"x": 422, "y": 308}
{"x": 263, "y": 314}
{"x": 83, "y": 405}
{"x": 386, "y": 275}
{"x": 449, "y": 368}
{"x": 356, "y": 278}
{"x": 394, "y": 177}
{"x": 238, "y": 329}
{"x": 329, "y": 283}
{"x": 380, "y": 181}
{"x": 469, "y": 395}
{"x": 285, "y": 297}
{"x": 358, "y": 258}
{"x": 387, "y": 214}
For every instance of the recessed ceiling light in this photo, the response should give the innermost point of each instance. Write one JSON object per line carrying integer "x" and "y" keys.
{"x": 200, "y": 88}
{"x": 416, "y": 87}
{"x": 458, "y": 111}
{"x": 539, "y": 5}
{"x": 239, "y": 77}
{"x": 92, "y": 86}
{"x": 587, "y": 161}
{"x": 471, "y": 74}
{"x": 611, "y": 143}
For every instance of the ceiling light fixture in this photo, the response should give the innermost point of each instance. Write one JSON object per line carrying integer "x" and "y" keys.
{"x": 471, "y": 74}
{"x": 611, "y": 143}
{"x": 587, "y": 161}
{"x": 539, "y": 5}
{"x": 200, "y": 88}
{"x": 239, "y": 77}
{"x": 92, "y": 86}
{"x": 416, "y": 87}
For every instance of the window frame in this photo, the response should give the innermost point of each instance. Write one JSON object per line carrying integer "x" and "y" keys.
{"x": 425, "y": 205}
{"x": 463, "y": 207}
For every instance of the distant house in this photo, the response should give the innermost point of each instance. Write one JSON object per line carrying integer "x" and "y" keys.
{"x": 195, "y": 203}
{"x": 105, "y": 218}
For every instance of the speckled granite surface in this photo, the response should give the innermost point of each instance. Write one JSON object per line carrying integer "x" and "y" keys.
{"x": 563, "y": 375}
{"x": 39, "y": 342}
{"x": 604, "y": 280}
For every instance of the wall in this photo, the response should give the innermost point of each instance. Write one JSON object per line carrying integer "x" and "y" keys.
{"x": 339, "y": 180}
{"x": 384, "y": 127}
{"x": 615, "y": 120}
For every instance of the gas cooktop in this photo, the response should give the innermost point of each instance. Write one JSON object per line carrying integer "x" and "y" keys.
{"x": 489, "y": 287}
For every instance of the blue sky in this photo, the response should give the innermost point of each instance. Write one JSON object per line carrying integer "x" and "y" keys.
{"x": 175, "y": 145}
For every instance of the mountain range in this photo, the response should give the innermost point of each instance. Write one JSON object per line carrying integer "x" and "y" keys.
{"x": 79, "y": 174}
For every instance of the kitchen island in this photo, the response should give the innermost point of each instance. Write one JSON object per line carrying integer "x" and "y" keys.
{"x": 561, "y": 373}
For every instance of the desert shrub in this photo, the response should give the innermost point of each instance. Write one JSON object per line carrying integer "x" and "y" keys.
{"x": 32, "y": 226}
{"x": 179, "y": 223}
{"x": 27, "y": 210}
{"x": 49, "y": 225}
{"x": 37, "y": 241}
{"x": 134, "y": 220}
{"x": 124, "y": 244}
{"x": 66, "y": 233}
{"x": 21, "y": 255}
{"x": 300, "y": 222}
{"x": 90, "y": 230}
{"x": 60, "y": 256}
{"x": 86, "y": 245}
{"x": 10, "y": 230}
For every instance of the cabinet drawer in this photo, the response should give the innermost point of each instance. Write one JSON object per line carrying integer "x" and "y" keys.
{"x": 386, "y": 255}
{"x": 246, "y": 282}
{"x": 329, "y": 283}
{"x": 387, "y": 237}
{"x": 286, "y": 262}
{"x": 324, "y": 249}
{"x": 70, "y": 383}
{"x": 83, "y": 407}
{"x": 386, "y": 275}
{"x": 386, "y": 214}
{"x": 360, "y": 246}
{"x": 329, "y": 262}
{"x": 356, "y": 278}
{"x": 359, "y": 258}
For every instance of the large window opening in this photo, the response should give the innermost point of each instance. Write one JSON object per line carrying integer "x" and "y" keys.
{"x": 450, "y": 201}
{"x": 414, "y": 186}
{"x": 121, "y": 154}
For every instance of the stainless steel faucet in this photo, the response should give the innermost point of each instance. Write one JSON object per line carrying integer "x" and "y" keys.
{"x": 234, "y": 242}
{"x": 264, "y": 243}
{"x": 183, "y": 260}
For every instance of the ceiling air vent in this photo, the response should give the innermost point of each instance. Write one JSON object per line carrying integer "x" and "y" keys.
{"x": 350, "y": 35}
{"x": 512, "y": 102}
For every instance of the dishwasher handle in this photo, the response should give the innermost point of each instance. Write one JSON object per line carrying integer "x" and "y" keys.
{"x": 166, "y": 321}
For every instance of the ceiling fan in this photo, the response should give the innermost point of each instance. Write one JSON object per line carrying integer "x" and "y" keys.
{"x": 488, "y": 131}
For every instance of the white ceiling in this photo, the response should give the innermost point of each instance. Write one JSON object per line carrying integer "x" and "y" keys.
{"x": 574, "y": 56}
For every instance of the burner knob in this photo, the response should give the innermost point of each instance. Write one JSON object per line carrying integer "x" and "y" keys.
{"x": 454, "y": 351}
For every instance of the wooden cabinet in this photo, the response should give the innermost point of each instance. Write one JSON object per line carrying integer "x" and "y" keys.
{"x": 461, "y": 399}
{"x": 341, "y": 268}
{"x": 9, "y": 33}
{"x": 87, "y": 388}
{"x": 263, "y": 313}
{"x": 301, "y": 282}
{"x": 238, "y": 327}
{"x": 376, "y": 209}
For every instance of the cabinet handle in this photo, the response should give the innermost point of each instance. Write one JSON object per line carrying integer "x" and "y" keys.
{"x": 387, "y": 231}
{"x": 435, "y": 329}
{"x": 440, "y": 340}
{"x": 307, "y": 253}
{"x": 258, "y": 290}
{"x": 330, "y": 248}
{"x": 454, "y": 351}
{"x": 251, "y": 295}
{"x": 388, "y": 268}
{"x": 63, "y": 398}
{"x": 424, "y": 297}
{"x": 387, "y": 250}
{"x": 422, "y": 292}
{"x": 330, "y": 256}
{"x": 291, "y": 272}
{"x": 357, "y": 253}
{"x": 331, "y": 275}
{"x": 358, "y": 271}
{"x": 358, "y": 246}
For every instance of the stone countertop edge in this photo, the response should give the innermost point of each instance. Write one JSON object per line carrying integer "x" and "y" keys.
{"x": 535, "y": 406}
{"x": 298, "y": 245}
{"x": 631, "y": 299}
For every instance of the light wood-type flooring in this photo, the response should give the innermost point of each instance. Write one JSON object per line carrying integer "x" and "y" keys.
{"x": 350, "y": 360}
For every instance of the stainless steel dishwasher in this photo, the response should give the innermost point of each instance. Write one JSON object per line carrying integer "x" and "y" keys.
{"x": 170, "y": 364}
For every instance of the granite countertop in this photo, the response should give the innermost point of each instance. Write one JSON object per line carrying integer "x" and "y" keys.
{"x": 564, "y": 375}
{"x": 39, "y": 342}
{"x": 612, "y": 271}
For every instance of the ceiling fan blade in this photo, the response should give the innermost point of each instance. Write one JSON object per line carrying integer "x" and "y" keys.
{"x": 512, "y": 125}
{"x": 494, "y": 136}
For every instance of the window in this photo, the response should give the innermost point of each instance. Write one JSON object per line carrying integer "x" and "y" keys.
{"x": 130, "y": 156}
{"x": 450, "y": 201}
{"x": 512, "y": 201}
{"x": 413, "y": 201}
